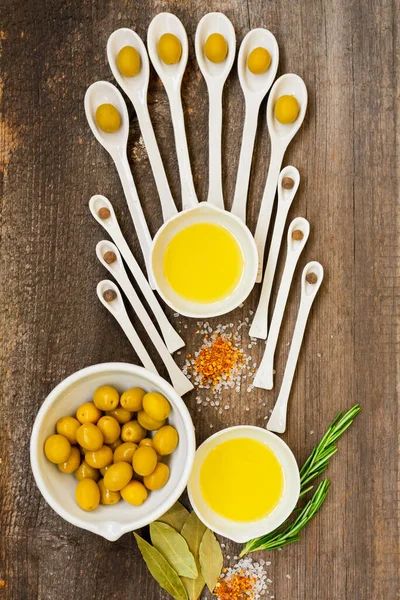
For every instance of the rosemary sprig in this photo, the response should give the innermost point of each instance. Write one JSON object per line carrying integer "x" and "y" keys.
{"x": 314, "y": 466}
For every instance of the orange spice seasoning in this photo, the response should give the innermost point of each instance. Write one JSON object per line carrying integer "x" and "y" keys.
{"x": 238, "y": 587}
{"x": 217, "y": 361}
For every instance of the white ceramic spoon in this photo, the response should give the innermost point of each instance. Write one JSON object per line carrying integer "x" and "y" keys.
{"x": 277, "y": 420}
{"x": 117, "y": 308}
{"x": 181, "y": 384}
{"x": 171, "y": 77}
{"x": 255, "y": 88}
{"x": 215, "y": 75}
{"x": 259, "y": 326}
{"x": 115, "y": 143}
{"x": 281, "y": 136}
{"x": 172, "y": 339}
{"x": 265, "y": 374}
{"x": 136, "y": 90}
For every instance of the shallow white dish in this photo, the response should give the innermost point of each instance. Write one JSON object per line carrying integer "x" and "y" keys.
{"x": 58, "y": 489}
{"x": 244, "y": 531}
{"x": 204, "y": 213}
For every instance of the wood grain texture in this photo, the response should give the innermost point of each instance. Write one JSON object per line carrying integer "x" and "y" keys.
{"x": 52, "y": 324}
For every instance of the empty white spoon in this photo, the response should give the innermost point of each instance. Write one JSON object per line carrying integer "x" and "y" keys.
{"x": 311, "y": 279}
{"x": 115, "y": 143}
{"x": 281, "y": 135}
{"x": 255, "y": 88}
{"x": 171, "y": 77}
{"x": 215, "y": 75}
{"x": 106, "y": 251}
{"x": 171, "y": 337}
{"x": 115, "y": 305}
{"x": 136, "y": 90}
{"x": 295, "y": 243}
{"x": 259, "y": 327}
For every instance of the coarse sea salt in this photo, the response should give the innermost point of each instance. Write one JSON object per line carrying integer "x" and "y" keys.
{"x": 246, "y": 567}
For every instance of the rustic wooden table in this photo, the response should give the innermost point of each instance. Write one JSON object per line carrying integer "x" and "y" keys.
{"x": 53, "y": 324}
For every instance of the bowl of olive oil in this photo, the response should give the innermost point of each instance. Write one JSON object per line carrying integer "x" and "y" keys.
{"x": 204, "y": 262}
{"x": 244, "y": 483}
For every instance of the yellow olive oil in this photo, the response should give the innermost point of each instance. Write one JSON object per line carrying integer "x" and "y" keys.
{"x": 242, "y": 480}
{"x": 203, "y": 263}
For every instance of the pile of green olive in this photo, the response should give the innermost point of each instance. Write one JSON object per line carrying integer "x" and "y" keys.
{"x": 110, "y": 451}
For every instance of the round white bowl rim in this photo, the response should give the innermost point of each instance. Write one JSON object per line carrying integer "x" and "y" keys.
{"x": 61, "y": 387}
{"x": 246, "y": 231}
{"x": 269, "y": 435}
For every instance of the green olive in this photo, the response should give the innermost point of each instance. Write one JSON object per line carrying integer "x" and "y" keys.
{"x": 125, "y": 452}
{"x": 67, "y": 426}
{"x": 107, "y": 496}
{"x": 87, "y": 494}
{"x": 146, "y": 442}
{"x": 90, "y": 437}
{"x": 134, "y": 493}
{"x": 98, "y": 459}
{"x": 132, "y": 432}
{"x": 122, "y": 415}
{"x": 57, "y": 449}
{"x": 88, "y": 413}
{"x": 118, "y": 476}
{"x": 165, "y": 440}
{"x": 132, "y": 399}
{"x": 158, "y": 478}
{"x": 156, "y": 406}
{"x": 110, "y": 428}
{"x": 144, "y": 460}
{"x": 85, "y": 471}
{"x": 147, "y": 422}
{"x": 106, "y": 398}
{"x": 71, "y": 465}
{"x": 115, "y": 444}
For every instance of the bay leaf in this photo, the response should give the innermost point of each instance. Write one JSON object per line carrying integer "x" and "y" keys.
{"x": 194, "y": 587}
{"x": 193, "y": 531}
{"x": 211, "y": 559}
{"x": 174, "y": 549}
{"x": 161, "y": 570}
{"x": 175, "y": 516}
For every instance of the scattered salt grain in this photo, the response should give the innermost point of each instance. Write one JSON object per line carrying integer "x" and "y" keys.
{"x": 247, "y": 575}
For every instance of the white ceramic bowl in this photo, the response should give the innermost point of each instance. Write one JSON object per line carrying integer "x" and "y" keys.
{"x": 58, "y": 489}
{"x": 205, "y": 213}
{"x": 243, "y": 532}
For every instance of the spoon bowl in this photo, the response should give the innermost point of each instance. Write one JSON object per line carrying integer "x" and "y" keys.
{"x": 138, "y": 84}
{"x": 291, "y": 85}
{"x": 103, "y": 92}
{"x": 257, "y": 85}
{"x": 204, "y": 213}
{"x": 215, "y": 22}
{"x": 170, "y": 75}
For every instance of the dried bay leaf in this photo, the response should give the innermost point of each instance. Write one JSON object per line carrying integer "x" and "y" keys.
{"x": 174, "y": 549}
{"x": 194, "y": 587}
{"x": 175, "y": 516}
{"x": 193, "y": 531}
{"x": 161, "y": 570}
{"x": 211, "y": 559}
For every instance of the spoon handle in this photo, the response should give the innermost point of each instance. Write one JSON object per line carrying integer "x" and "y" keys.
{"x": 277, "y": 420}
{"x": 271, "y": 267}
{"x": 135, "y": 209}
{"x": 267, "y": 204}
{"x": 215, "y": 193}
{"x": 146, "y": 127}
{"x": 245, "y": 159}
{"x": 189, "y": 197}
{"x": 265, "y": 374}
{"x": 178, "y": 379}
{"x": 124, "y": 322}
